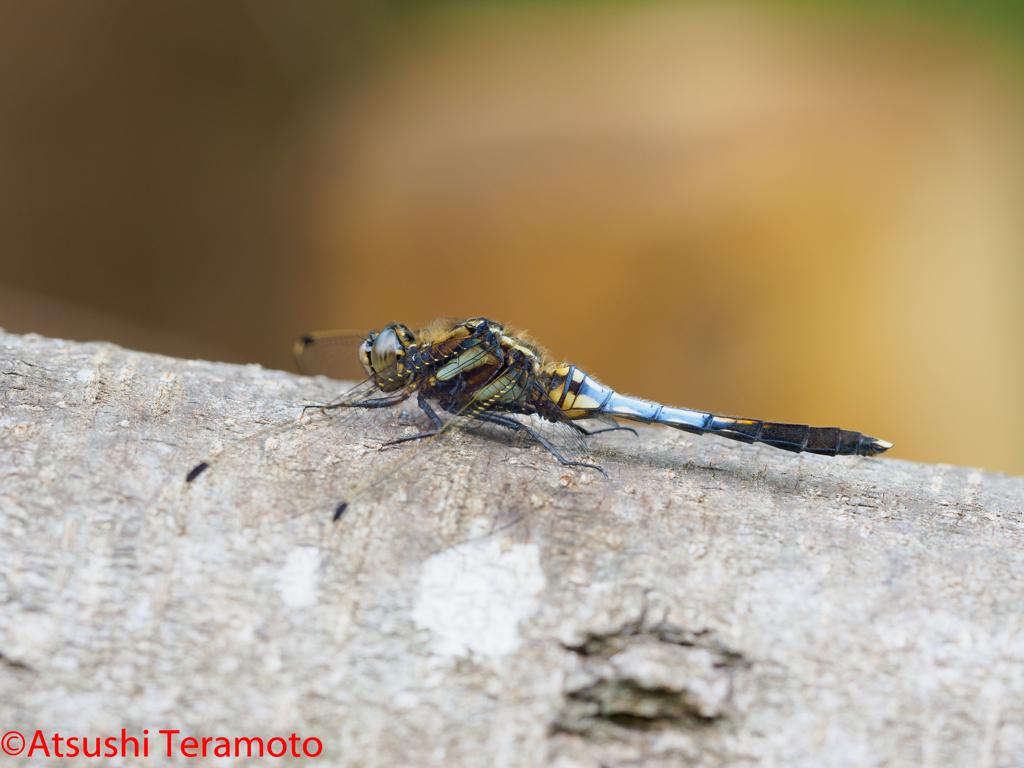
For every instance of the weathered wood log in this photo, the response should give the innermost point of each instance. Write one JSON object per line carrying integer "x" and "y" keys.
{"x": 711, "y": 603}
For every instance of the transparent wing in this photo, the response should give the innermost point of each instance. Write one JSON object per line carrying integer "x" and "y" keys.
{"x": 362, "y": 395}
{"x": 571, "y": 438}
{"x": 416, "y": 453}
{"x": 561, "y": 434}
{"x": 356, "y": 407}
{"x": 550, "y": 428}
{"x": 334, "y": 354}
{"x": 358, "y": 410}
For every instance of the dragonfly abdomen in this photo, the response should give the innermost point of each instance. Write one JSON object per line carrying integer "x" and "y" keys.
{"x": 580, "y": 397}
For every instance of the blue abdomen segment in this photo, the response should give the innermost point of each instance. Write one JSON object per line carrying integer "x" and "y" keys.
{"x": 583, "y": 397}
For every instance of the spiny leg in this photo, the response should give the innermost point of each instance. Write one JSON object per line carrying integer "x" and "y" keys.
{"x": 380, "y": 402}
{"x": 432, "y": 415}
{"x": 512, "y": 424}
{"x": 592, "y": 432}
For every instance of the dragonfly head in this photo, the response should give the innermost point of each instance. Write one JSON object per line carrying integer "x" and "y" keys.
{"x": 383, "y": 356}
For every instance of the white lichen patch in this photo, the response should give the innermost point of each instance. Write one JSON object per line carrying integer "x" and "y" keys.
{"x": 299, "y": 578}
{"x": 472, "y": 597}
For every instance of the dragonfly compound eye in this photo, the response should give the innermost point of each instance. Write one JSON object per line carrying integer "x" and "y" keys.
{"x": 386, "y": 357}
{"x": 364, "y": 353}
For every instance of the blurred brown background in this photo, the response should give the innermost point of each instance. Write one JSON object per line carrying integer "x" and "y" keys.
{"x": 786, "y": 211}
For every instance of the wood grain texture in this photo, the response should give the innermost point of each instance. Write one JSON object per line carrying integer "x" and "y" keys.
{"x": 710, "y": 604}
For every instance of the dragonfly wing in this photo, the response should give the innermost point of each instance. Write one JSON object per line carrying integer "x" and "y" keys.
{"x": 334, "y": 354}
{"x": 367, "y": 394}
{"x": 454, "y": 364}
{"x": 562, "y": 436}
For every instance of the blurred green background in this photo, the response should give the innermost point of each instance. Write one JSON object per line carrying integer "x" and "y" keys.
{"x": 802, "y": 211}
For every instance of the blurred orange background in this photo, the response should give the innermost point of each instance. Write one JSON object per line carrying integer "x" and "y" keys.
{"x": 787, "y": 211}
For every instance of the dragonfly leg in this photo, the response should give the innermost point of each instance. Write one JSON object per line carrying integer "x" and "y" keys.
{"x": 592, "y": 432}
{"x": 380, "y": 402}
{"x": 431, "y": 413}
{"x": 512, "y": 424}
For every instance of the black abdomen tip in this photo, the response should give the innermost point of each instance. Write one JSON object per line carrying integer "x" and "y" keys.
{"x": 197, "y": 470}
{"x": 340, "y": 510}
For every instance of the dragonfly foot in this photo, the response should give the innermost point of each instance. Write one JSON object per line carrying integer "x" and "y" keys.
{"x": 585, "y": 465}
{"x": 420, "y": 436}
{"x": 611, "y": 429}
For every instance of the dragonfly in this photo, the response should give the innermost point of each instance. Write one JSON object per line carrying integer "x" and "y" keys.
{"x": 483, "y": 371}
